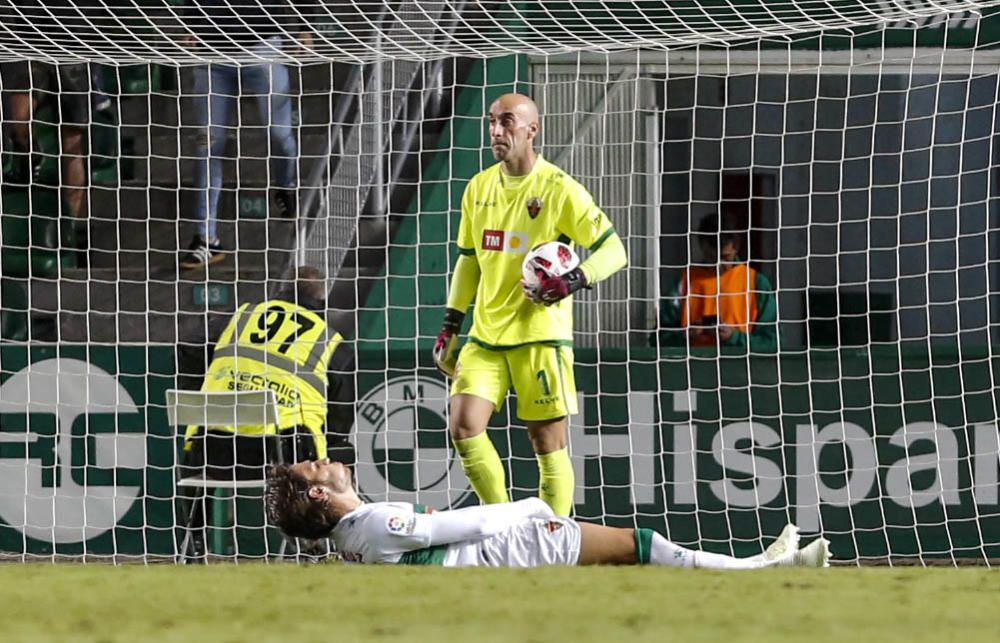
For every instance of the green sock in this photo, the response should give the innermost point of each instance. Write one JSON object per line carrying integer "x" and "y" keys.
{"x": 483, "y": 468}
{"x": 555, "y": 481}
{"x": 643, "y": 545}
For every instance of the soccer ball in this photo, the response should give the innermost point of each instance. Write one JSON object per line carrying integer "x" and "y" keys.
{"x": 550, "y": 259}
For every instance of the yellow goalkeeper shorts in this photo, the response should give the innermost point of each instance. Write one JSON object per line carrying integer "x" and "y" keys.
{"x": 542, "y": 377}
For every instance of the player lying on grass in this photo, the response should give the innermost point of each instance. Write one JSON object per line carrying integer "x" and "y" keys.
{"x": 317, "y": 500}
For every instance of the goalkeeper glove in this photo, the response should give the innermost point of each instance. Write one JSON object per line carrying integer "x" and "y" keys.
{"x": 553, "y": 289}
{"x": 446, "y": 344}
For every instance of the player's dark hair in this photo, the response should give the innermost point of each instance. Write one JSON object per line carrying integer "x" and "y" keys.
{"x": 719, "y": 230}
{"x": 290, "y": 508}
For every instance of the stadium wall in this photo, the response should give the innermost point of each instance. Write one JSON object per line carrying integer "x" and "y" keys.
{"x": 650, "y": 447}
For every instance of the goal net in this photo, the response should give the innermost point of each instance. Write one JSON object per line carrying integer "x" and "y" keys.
{"x": 165, "y": 163}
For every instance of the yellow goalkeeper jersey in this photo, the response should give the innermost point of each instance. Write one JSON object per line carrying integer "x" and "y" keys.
{"x": 502, "y": 219}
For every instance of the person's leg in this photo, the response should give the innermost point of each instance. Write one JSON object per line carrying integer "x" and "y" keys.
{"x": 340, "y": 449}
{"x": 213, "y": 90}
{"x": 222, "y": 103}
{"x": 546, "y": 397}
{"x": 74, "y": 171}
{"x": 17, "y": 112}
{"x": 468, "y": 417}
{"x": 556, "y": 480}
{"x": 600, "y": 545}
{"x": 271, "y": 85}
{"x": 281, "y": 125}
{"x": 18, "y": 120}
{"x": 479, "y": 387}
{"x": 198, "y": 114}
{"x": 18, "y": 103}
{"x": 74, "y": 118}
{"x": 286, "y": 149}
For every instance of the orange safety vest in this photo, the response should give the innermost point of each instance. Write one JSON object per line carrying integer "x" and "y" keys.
{"x": 728, "y": 296}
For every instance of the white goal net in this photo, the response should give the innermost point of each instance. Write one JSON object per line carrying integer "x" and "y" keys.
{"x": 165, "y": 163}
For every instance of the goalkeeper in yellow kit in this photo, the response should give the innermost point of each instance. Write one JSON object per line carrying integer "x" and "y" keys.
{"x": 520, "y": 337}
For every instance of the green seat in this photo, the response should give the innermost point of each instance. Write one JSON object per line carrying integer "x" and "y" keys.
{"x": 13, "y": 311}
{"x": 133, "y": 79}
{"x": 29, "y": 229}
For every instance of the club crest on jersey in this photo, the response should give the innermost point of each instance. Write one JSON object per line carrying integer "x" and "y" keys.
{"x": 505, "y": 241}
{"x": 534, "y": 206}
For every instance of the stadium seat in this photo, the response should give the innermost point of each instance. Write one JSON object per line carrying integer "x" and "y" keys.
{"x": 13, "y": 311}
{"x": 205, "y": 410}
{"x": 29, "y": 228}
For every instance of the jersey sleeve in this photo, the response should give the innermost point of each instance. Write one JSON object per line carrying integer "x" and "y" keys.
{"x": 466, "y": 241}
{"x": 481, "y": 521}
{"x": 671, "y": 331}
{"x": 581, "y": 219}
{"x": 399, "y": 530}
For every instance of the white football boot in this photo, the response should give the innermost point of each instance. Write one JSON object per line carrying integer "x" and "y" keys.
{"x": 815, "y": 554}
{"x": 784, "y": 549}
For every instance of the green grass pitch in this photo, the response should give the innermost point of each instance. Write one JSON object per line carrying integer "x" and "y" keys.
{"x": 328, "y": 602}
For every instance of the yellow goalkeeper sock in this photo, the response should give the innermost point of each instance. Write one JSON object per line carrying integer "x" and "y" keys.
{"x": 483, "y": 468}
{"x": 555, "y": 481}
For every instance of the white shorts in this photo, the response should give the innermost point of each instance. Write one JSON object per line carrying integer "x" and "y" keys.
{"x": 534, "y": 543}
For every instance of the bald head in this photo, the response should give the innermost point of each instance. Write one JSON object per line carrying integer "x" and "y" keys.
{"x": 514, "y": 123}
{"x": 517, "y": 103}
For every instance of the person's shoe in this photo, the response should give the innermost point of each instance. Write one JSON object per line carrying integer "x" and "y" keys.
{"x": 201, "y": 253}
{"x": 815, "y": 554}
{"x": 102, "y": 102}
{"x": 286, "y": 202}
{"x": 784, "y": 549}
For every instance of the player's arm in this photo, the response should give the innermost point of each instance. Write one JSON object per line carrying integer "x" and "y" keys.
{"x": 195, "y": 356}
{"x": 608, "y": 258}
{"x": 763, "y": 335}
{"x": 470, "y": 523}
{"x": 586, "y": 224}
{"x": 672, "y": 332}
{"x": 464, "y": 283}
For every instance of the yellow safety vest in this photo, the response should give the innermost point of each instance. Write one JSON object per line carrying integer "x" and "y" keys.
{"x": 281, "y": 346}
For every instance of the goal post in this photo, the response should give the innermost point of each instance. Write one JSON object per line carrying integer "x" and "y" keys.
{"x": 851, "y": 142}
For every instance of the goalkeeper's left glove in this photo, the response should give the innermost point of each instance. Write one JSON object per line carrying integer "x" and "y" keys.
{"x": 553, "y": 289}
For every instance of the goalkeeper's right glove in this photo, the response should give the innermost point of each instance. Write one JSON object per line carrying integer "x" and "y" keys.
{"x": 446, "y": 344}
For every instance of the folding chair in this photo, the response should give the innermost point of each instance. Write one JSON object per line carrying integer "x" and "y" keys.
{"x": 208, "y": 409}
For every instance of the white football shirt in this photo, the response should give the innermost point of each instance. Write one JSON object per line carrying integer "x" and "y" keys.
{"x": 517, "y": 534}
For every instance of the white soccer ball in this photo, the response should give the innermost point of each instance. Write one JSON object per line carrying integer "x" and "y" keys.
{"x": 549, "y": 259}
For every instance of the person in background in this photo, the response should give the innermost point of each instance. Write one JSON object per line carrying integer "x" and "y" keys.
{"x": 721, "y": 301}
{"x": 260, "y": 29}
{"x": 285, "y": 344}
{"x": 30, "y": 88}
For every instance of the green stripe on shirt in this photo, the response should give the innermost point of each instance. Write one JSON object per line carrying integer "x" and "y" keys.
{"x": 427, "y": 556}
{"x": 601, "y": 239}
